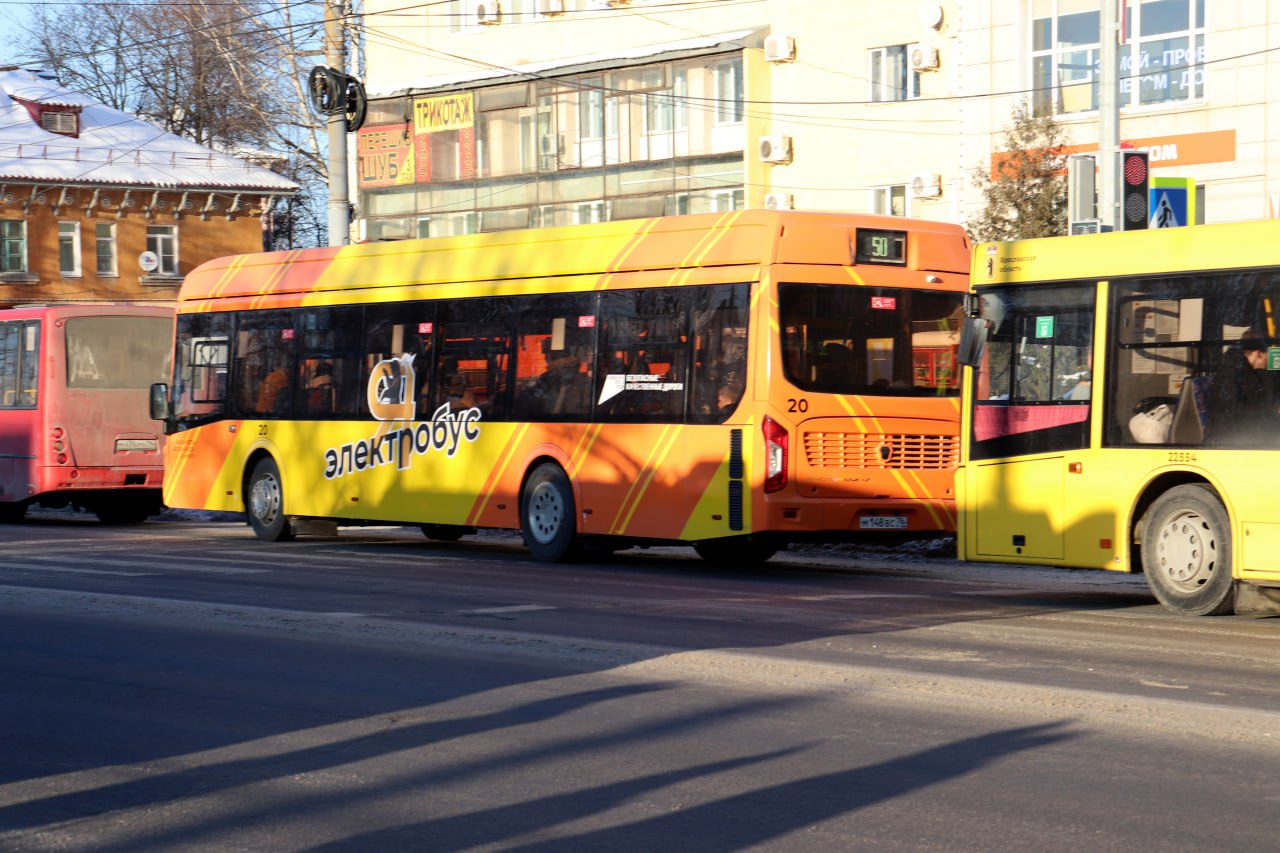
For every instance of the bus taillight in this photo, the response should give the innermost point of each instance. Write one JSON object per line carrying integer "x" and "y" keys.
{"x": 775, "y": 455}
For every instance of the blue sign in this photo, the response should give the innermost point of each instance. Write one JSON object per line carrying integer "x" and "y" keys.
{"x": 1171, "y": 202}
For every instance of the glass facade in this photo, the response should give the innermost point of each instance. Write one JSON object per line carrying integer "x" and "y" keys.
{"x": 651, "y": 140}
{"x": 1162, "y": 54}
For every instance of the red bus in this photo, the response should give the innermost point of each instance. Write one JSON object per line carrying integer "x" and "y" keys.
{"x": 74, "y": 425}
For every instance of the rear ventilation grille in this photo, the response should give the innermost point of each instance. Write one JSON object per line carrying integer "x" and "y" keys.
{"x": 875, "y": 450}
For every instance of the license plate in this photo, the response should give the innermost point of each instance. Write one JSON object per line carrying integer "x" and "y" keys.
{"x": 883, "y": 522}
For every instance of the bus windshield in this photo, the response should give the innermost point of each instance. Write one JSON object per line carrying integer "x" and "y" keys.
{"x": 870, "y": 340}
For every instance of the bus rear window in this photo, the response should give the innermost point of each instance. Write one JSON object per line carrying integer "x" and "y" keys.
{"x": 118, "y": 352}
{"x": 843, "y": 339}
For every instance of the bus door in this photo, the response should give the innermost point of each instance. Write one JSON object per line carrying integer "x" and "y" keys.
{"x": 19, "y": 376}
{"x": 1030, "y": 413}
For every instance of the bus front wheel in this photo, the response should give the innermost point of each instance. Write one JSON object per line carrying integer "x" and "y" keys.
{"x": 1186, "y": 552}
{"x": 265, "y": 503}
{"x": 547, "y": 514}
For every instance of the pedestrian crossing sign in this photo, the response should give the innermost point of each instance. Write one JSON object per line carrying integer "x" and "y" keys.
{"x": 1171, "y": 202}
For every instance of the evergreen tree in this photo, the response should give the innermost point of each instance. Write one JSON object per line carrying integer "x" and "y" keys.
{"x": 1025, "y": 193}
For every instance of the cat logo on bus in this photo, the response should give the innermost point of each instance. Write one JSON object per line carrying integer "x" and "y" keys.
{"x": 390, "y": 389}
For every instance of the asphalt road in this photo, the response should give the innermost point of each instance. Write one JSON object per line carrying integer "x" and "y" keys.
{"x": 182, "y": 686}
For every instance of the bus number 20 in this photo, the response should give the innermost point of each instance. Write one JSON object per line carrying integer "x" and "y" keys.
{"x": 800, "y": 405}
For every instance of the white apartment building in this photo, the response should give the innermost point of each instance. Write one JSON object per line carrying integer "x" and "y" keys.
{"x": 496, "y": 114}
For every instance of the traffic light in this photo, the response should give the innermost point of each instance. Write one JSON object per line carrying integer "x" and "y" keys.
{"x": 1133, "y": 190}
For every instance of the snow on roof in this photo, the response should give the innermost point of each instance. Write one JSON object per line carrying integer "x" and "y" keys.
{"x": 534, "y": 70}
{"x": 114, "y": 148}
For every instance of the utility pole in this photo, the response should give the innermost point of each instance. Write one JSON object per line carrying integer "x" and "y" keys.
{"x": 1109, "y": 118}
{"x": 335, "y": 56}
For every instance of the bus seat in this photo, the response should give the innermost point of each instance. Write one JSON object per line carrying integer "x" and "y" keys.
{"x": 1192, "y": 414}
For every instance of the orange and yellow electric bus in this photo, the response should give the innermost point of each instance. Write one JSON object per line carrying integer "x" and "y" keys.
{"x": 1123, "y": 413}
{"x": 732, "y": 381}
{"x": 74, "y": 428}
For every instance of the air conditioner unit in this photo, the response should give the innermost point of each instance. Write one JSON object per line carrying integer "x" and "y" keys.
{"x": 779, "y": 201}
{"x": 775, "y": 149}
{"x": 550, "y": 8}
{"x": 779, "y": 48}
{"x": 488, "y": 12}
{"x": 926, "y": 185}
{"x": 552, "y": 144}
{"x": 922, "y": 57}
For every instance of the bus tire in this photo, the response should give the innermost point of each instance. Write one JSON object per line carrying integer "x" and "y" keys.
{"x": 735, "y": 552}
{"x": 547, "y": 514}
{"x": 445, "y": 532}
{"x": 1186, "y": 552}
{"x": 264, "y": 503}
{"x": 126, "y": 511}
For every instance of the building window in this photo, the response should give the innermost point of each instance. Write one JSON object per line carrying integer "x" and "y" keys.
{"x": 724, "y": 201}
{"x": 69, "y": 248}
{"x": 163, "y": 240}
{"x": 1161, "y": 61}
{"x": 728, "y": 77}
{"x": 889, "y": 200}
{"x": 13, "y": 245}
{"x": 597, "y": 113}
{"x": 890, "y": 78}
{"x": 64, "y": 122}
{"x": 105, "y": 240}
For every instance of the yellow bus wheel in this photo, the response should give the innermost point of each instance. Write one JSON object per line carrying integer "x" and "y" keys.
{"x": 1186, "y": 552}
{"x": 548, "y": 515}
{"x": 265, "y": 503}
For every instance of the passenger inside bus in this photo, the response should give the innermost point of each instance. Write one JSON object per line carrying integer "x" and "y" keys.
{"x": 320, "y": 394}
{"x": 458, "y": 395}
{"x": 563, "y": 388}
{"x": 1242, "y": 407}
{"x": 271, "y": 397}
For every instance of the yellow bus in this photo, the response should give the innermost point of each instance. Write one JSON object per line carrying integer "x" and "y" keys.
{"x": 731, "y": 381}
{"x": 1123, "y": 412}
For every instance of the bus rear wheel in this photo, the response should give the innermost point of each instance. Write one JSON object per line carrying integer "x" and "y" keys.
{"x": 1186, "y": 552}
{"x": 547, "y": 515}
{"x": 264, "y": 503}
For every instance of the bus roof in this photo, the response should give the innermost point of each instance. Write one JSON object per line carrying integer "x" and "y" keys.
{"x": 742, "y": 238}
{"x": 28, "y": 311}
{"x": 1234, "y": 245}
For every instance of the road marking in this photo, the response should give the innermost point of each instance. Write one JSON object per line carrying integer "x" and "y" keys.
{"x": 855, "y": 595}
{"x": 489, "y": 611}
{"x": 47, "y": 567}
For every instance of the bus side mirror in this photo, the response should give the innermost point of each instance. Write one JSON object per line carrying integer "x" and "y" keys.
{"x": 973, "y": 341}
{"x": 159, "y": 402}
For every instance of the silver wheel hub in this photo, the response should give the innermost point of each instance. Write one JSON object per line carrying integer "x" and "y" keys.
{"x": 1187, "y": 550}
{"x": 546, "y": 513}
{"x": 264, "y": 500}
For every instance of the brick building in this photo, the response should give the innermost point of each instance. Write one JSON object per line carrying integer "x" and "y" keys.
{"x": 98, "y": 205}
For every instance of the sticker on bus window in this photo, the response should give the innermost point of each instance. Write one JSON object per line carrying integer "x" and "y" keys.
{"x": 884, "y": 303}
{"x": 424, "y": 328}
{"x": 587, "y": 321}
{"x": 1044, "y": 326}
{"x": 286, "y": 334}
